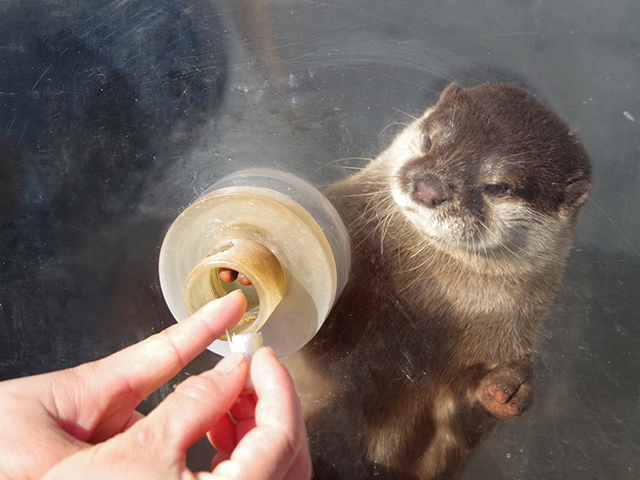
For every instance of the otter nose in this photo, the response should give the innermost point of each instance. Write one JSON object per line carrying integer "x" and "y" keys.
{"x": 430, "y": 191}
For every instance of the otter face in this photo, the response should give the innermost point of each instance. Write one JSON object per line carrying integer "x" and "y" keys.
{"x": 487, "y": 167}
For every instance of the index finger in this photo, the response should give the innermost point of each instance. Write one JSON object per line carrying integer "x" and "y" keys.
{"x": 146, "y": 366}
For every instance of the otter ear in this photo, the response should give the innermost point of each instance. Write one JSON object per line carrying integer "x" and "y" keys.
{"x": 449, "y": 90}
{"x": 576, "y": 194}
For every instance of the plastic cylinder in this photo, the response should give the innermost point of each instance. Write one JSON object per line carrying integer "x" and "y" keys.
{"x": 279, "y": 232}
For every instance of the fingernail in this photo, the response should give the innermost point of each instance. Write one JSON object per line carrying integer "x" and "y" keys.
{"x": 212, "y": 305}
{"x": 235, "y": 292}
{"x": 230, "y": 363}
{"x": 272, "y": 352}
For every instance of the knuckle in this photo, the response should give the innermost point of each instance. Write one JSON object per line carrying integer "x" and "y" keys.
{"x": 199, "y": 388}
{"x": 163, "y": 342}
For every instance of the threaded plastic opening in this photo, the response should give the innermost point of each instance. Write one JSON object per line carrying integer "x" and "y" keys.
{"x": 252, "y": 259}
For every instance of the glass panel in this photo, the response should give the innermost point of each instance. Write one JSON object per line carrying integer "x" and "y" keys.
{"x": 116, "y": 115}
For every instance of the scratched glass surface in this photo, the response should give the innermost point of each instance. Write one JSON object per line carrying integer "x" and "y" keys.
{"x": 115, "y": 115}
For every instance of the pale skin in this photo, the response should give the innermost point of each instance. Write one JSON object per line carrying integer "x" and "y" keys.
{"x": 81, "y": 423}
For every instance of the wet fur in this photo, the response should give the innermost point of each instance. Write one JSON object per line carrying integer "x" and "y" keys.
{"x": 432, "y": 340}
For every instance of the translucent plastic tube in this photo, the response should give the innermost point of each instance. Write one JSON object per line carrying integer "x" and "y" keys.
{"x": 276, "y": 230}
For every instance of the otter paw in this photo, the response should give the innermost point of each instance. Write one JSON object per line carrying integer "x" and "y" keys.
{"x": 507, "y": 390}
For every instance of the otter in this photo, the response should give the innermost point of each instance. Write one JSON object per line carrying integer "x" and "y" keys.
{"x": 460, "y": 233}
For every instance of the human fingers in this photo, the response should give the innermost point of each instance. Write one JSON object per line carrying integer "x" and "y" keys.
{"x": 230, "y": 429}
{"x": 154, "y": 361}
{"x": 223, "y": 435}
{"x": 113, "y": 387}
{"x": 135, "y": 417}
{"x": 277, "y": 447}
{"x": 155, "y": 446}
{"x": 192, "y": 409}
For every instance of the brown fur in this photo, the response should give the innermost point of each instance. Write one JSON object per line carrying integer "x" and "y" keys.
{"x": 460, "y": 231}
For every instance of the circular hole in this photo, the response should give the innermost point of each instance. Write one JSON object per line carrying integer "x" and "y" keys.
{"x": 239, "y": 264}
{"x": 207, "y": 286}
{"x": 222, "y": 288}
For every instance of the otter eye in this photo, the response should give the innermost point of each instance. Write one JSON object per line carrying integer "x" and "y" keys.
{"x": 497, "y": 190}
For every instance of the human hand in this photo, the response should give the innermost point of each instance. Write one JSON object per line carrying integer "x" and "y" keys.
{"x": 49, "y": 418}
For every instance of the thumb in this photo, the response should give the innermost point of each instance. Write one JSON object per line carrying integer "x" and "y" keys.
{"x": 192, "y": 409}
